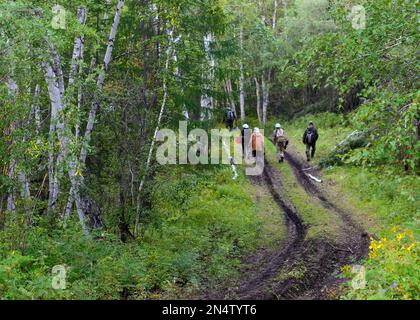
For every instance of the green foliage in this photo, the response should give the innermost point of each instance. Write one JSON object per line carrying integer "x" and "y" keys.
{"x": 200, "y": 224}
{"x": 374, "y": 67}
{"x": 23, "y": 277}
{"x": 197, "y": 222}
{"x": 379, "y": 193}
{"x": 392, "y": 122}
{"x": 394, "y": 199}
{"x": 393, "y": 271}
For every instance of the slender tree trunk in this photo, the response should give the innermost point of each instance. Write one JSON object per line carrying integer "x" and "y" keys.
{"x": 11, "y": 197}
{"x": 242, "y": 78}
{"x": 25, "y": 193}
{"x": 257, "y": 90}
{"x": 76, "y": 180}
{"x": 70, "y": 200}
{"x": 276, "y": 6}
{"x": 177, "y": 72}
{"x": 261, "y": 8}
{"x": 55, "y": 80}
{"x": 2, "y": 198}
{"x": 229, "y": 93}
{"x": 77, "y": 49}
{"x": 21, "y": 177}
{"x": 101, "y": 79}
{"x": 284, "y": 2}
{"x": 152, "y": 146}
{"x": 266, "y": 98}
{"x": 208, "y": 77}
{"x": 37, "y": 112}
{"x": 55, "y": 123}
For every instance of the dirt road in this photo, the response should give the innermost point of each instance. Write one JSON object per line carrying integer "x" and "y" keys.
{"x": 302, "y": 267}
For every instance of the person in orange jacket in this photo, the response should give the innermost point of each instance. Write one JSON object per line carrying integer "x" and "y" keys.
{"x": 257, "y": 142}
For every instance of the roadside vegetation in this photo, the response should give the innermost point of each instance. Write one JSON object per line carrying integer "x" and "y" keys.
{"x": 86, "y": 85}
{"x": 201, "y": 226}
{"x": 386, "y": 201}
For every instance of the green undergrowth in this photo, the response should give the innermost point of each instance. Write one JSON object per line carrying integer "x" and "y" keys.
{"x": 393, "y": 270}
{"x": 385, "y": 201}
{"x": 200, "y": 226}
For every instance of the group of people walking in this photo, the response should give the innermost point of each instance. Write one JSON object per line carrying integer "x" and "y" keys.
{"x": 278, "y": 137}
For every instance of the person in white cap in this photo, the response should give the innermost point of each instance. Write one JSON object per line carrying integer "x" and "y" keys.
{"x": 280, "y": 141}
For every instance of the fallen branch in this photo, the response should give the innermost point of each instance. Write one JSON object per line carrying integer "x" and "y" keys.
{"x": 314, "y": 178}
{"x": 233, "y": 165}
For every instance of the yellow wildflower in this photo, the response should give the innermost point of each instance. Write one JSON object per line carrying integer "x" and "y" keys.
{"x": 411, "y": 246}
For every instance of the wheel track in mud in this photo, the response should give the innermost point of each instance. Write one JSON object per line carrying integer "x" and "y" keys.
{"x": 296, "y": 232}
{"x": 357, "y": 237}
{"x": 317, "y": 258}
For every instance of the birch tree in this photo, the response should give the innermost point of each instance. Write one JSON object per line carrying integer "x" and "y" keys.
{"x": 242, "y": 76}
{"x": 207, "y": 103}
{"x": 77, "y": 180}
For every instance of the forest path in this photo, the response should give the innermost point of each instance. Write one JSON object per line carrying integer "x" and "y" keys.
{"x": 304, "y": 266}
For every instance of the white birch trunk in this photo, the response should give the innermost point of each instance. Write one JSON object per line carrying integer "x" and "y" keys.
{"x": 261, "y": 8}
{"x": 241, "y": 78}
{"x": 62, "y": 131}
{"x": 11, "y": 201}
{"x": 74, "y": 179}
{"x": 229, "y": 92}
{"x": 101, "y": 79}
{"x": 177, "y": 73}
{"x": 11, "y": 197}
{"x": 208, "y": 77}
{"x": 257, "y": 90}
{"x": 57, "y": 70}
{"x": 76, "y": 60}
{"x": 276, "y": 6}
{"x": 37, "y": 112}
{"x": 266, "y": 97}
{"x": 56, "y": 108}
{"x": 25, "y": 191}
{"x": 284, "y": 2}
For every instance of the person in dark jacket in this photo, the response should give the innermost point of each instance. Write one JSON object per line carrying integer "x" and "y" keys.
{"x": 310, "y": 137}
{"x": 230, "y": 118}
{"x": 244, "y": 131}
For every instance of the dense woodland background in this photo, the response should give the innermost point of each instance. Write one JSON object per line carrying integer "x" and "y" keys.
{"x": 80, "y": 106}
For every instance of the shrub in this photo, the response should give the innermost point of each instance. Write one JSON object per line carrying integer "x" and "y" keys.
{"x": 393, "y": 270}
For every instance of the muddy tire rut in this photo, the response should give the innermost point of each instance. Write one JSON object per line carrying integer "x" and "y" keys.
{"x": 300, "y": 268}
{"x": 357, "y": 239}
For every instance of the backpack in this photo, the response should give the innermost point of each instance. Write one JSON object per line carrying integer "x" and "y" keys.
{"x": 279, "y": 133}
{"x": 230, "y": 115}
{"x": 309, "y": 137}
